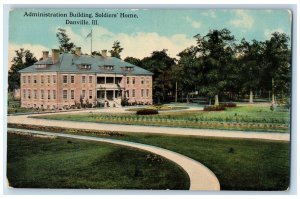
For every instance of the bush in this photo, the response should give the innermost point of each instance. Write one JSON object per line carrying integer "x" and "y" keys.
{"x": 228, "y": 104}
{"x": 147, "y": 112}
{"x": 214, "y": 108}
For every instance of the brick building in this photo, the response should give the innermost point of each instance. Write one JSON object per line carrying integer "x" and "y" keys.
{"x": 63, "y": 80}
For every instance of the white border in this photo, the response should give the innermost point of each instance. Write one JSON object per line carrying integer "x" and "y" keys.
{"x": 155, "y": 4}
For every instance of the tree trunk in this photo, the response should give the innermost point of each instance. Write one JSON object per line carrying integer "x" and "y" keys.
{"x": 176, "y": 92}
{"x": 216, "y": 100}
{"x": 273, "y": 92}
{"x": 251, "y": 97}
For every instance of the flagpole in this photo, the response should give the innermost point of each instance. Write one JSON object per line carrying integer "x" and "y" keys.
{"x": 91, "y": 41}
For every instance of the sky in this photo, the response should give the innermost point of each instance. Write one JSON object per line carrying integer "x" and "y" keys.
{"x": 152, "y": 29}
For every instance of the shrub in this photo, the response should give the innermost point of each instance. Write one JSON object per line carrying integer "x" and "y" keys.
{"x": 214, "y": 108}
{"x": 147, "y": 112}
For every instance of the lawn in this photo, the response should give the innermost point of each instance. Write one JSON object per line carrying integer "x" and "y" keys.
{"x": 68, "y": 163}
{"x": 239, "y": 164}
{"x": 253, "y": 118}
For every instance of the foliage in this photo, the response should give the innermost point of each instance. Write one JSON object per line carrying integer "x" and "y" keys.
{"x": 22, "y": 59}
{"x": 116, "y": 50}
{"x": 134, "y": 61}
{"x": 147, "y": 112}
{"x": 65, "y": 45}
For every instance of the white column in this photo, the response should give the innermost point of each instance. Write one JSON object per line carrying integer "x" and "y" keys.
{"x": 114, "y": 95}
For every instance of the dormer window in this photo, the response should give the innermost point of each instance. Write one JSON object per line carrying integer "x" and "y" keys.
{"x": 128, "y": 68}
{"x": 108, "y": 67}
{"x": 85, "y": 66}
{"x": 40, "y": 66}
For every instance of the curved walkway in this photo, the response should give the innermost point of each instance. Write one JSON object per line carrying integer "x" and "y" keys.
{"x": 24, "y": 119}
{"x": 201, "y": 178}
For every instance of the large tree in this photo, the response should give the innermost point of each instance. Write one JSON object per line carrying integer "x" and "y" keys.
{"x": 250, "y": 61}
{"x": 116, "y": 50}
{"x": 277, "y": 64}
{"x": 133, "y": 60}
{"x": 23, "y": 59}
{"x": 160, "y": 64}
{"x": 65, "y": 44}
{"x": 217, "y": 51}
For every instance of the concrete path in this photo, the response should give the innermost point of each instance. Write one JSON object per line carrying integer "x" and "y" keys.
{"x": 24, "y": 119}
{"x": 201, "y": 178}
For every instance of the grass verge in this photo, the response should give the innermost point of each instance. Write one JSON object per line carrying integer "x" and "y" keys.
{"x": 239, "y": 164}
{"x": 248, "y": 118}
{"x": 69, "y": 163}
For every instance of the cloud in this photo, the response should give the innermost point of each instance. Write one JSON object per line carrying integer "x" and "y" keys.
{"x": 193, "y": 23}
{"x": 210, "y": 13}
{"x": 139, "y": 45}
{"x": 243, "y": 20}
{"x": 36, "y": 49}
{"x": 268, "y": 32}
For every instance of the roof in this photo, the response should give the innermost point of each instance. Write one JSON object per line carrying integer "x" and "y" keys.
{"x": 69, "y": 63}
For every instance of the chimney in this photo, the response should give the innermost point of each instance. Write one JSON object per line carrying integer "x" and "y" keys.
{"x": 78, "y": 51}
{"x": 45, "y": 55}
{"x": 55, "y": 56}
{"x": 104, "y": 53}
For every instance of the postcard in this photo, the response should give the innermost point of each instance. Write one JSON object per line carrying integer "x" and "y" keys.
{"x": 149, "y": 99}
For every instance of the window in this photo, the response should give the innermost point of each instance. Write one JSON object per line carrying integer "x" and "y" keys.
{"x": 49, "y": 97}
{"x": 24, "y": 79}
{"x": 108, "y": 67}
{"x": 54, "y": 94}
{"x": 133, "y": 80}
{"x": 142, "y": 80}
{"x": 90, "y": 79}
{"x": 127, "y": 94}
{"x": 83, "y": 94}
{"x": 133, "y": 93}
{"x": 72, "y": 79}
{"x": 72, "y": 94}
{"x": 29, "y": 79}
{"x": 142, "y": 93}
{"x": 85, "y": 66}
{"x": 34, "y": 79}
{"x": 127, "y": 80}
{"x": 83, "y": 79}
{"x": 48, "y": 79}
{"x": 24, "y": 93}
{"x": 35, "y": 94}
{"x": 147, "y": 81}
{"x": 42, "y": 94}
{"x": 128, "y": 68}
{"x": 65, "y": 94}
{"x": 42, "y": 79}
{"x": 65, "y": 79}
{"x": 54, "y": 79}
{"x": 29, "y": 94}
{"x": 90, "y": 94}
{"x": 147, "y": 93}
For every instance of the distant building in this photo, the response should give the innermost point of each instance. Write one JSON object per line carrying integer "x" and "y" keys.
{"x": 64, "y": 80}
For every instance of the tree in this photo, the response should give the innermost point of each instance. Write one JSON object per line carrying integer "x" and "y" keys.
{"x": 217, "y": 51}
{"x": 187, "y": 73}
{"x": 116, "y": 50}
{"x": 250, "y": 62}
{"x": 64, "y": 41}
{"x": 277, "y": 64}
{"x": 23, "y": 59}
{"x": 160, "y": 64}
{"x": 134, "y": 61}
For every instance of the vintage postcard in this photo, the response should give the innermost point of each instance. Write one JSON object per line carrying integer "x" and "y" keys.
{"x": 149, "y": 99}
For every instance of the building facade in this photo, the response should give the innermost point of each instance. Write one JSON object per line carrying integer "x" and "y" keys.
{"x": 66, "y": 80}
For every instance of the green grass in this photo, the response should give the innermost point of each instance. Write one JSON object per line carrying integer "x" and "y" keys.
{"x": 253, "y": 118}
{"x": 68, "y": 163}
{"x": 159, "y": 108}
{"x": 239, "y": 164}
